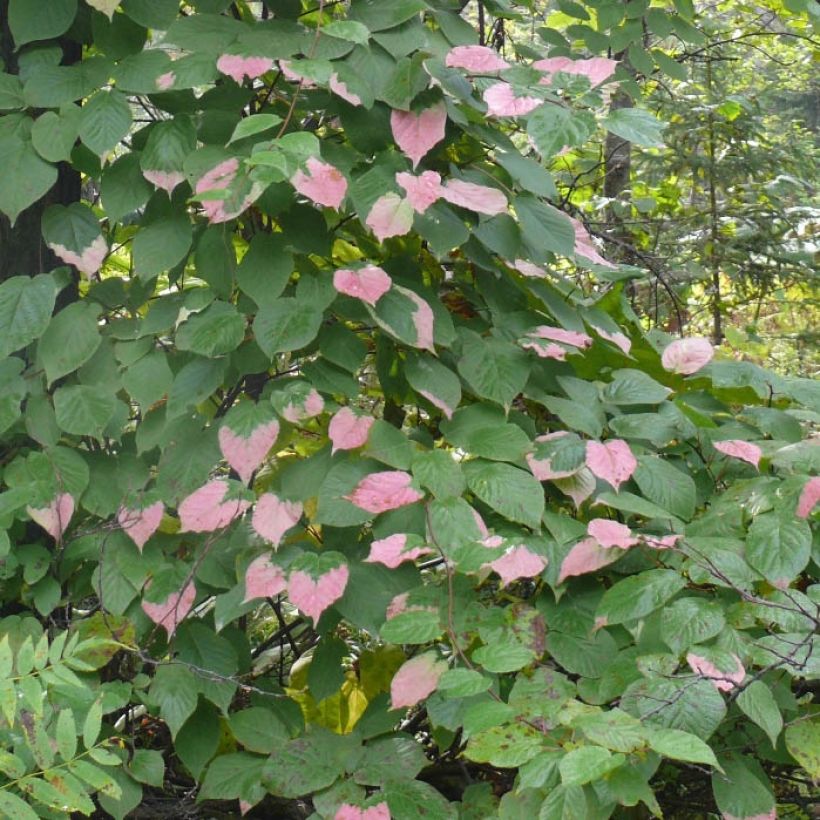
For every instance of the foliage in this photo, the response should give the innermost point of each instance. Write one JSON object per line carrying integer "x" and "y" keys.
{"x": 328, "y": 474}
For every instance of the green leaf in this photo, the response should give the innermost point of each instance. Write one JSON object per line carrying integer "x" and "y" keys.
{"x": 28, "y": 22}
{"x": 779, "y": 547}
{"x": 631, "y": 386}
{"x": 437, "y": 471}
{"x": 11, "y": 93}
{"x": 565, "y": 803}
{"x": 680, "y": 745}
{"x": 254, "y": 124}
{"x": 234, "y": 776}
{"x": 66, "y": 734}
{"x": 53, "y": 135}
{"x": 160, "y": 245}
{"x": 105, "y": 120}
{"x": 174, "y": 689}
{"x": 25, "y": 310}
{"x": 482, "y": 430}
{"x": 495, "y": 370}
{"x": 635, "y": 125}
{"x": 377, "y": 16}
{"x": 157, "y": 14}
{"x": 513, "y": 493}
{"x": 390, "y": 758}
{"x": 218, "y": 329}
{"x": 460, "y": 683}
{"x": 434, "y": 382}
{"x": 73, "y": 232}
{"x": 742, "y": 790}
{"x": 504, "y": 746}
{"x": 587, "y": 764}
{"x": 26, "y": 176}
{"x": 123, "y": 188}
{"x": 414, "y": 627}
{"x": 553, "y": 127}
{"x": 544, "y": 227}
{"x": 503, "y": 657}
{"x": 285, "y": 325}
{"x": 666, "y": 485}
{"x": 757, "y": 702}
{"x": 70, "y": 340}
{"x": 259, "y": 729}
{"x": 803, "y": 743}
{"x": 639, "y": 595}
{"x": 147, "y": 766}
{"x": 690, "y": 621}
{"x": 348, "y": 30}
{"x": 92, "y": 724}
{"x": 83, "y": 410}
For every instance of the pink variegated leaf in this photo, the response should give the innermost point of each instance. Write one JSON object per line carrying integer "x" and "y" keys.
{"x": 809, "y": 496}
{"x": 368, "y": 284}
{"x": 90, "y": 258}
{"x": 475, "y": 59}
{"x": 585, "y": 246}
{"x": 290, "y": 71}
{"x": 323, "y": 184}
{"x": 246, "y": 453}
{"x": 348, "y": 430}
{"x": 542, "y": 468}
{"x": 545, "y": 350}
{"x": 273, "y": 517}
{"x": 165, "y": 81}
{"x": 167, "y": 180}
{"x": 396, "y": 549}
{"x": 170, "y": 613}
{"x": 237, "y": 67}
{"x": 397, "y": 605}
{"x": 502, "y": 102}
{"x": 390, "y": 216}
{"x": 349, "y": 812}
{"x": 422, "y": 190}
{"x": 595, "y": 69}
{"x": 207, "y": 509}
{"x": 423, "y": 319}
{"x": 518, "y": 562}
{"x": 586, "y": 556}
{"x": 478, "y": 198}
{"x": 339, "y": 88}
{"x": 579, "y": 486}
{"x": 743, "y": 450}
{"x": 264, "y": 579}
{"x": 55, "y": 517}
{"x": 222, "y": 205}
{"x": 415, "y": 680}
{"x": 416, "y": 134}
{"x": 687, "y": 356}
{"x": 558, "y": 334}
{"x": 617, "y": 338}
{"x": 723, "y": 679}
{"x": 660, "y": 542}
{"x": 315, "y": 582}
{"x": 388, "y": 490}
{"x": 300, "y": 403}
{"x": 612, "y": 461}
{"x": 611, "y": 534}
{"x": 140, "y": 524}
{"x": 529, "y": 270}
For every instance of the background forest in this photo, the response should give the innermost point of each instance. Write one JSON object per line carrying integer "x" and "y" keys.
{"x": 409, "y": 409}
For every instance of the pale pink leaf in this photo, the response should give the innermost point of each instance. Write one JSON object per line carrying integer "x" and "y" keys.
{"x": 585, "y": 246}
{"x": 390, "y": 216}
{"x": 743, "y": 450}
{"x": 579, "y": 486}
{"x": 437, "y": 401}
{"x": 246, "y": 454}
{"x": 170, "y": 613}
{"x": 529, "y": 270}
{"x": 723, "y": 680}
{"x": 769, "y": 815}
{"x": 263, "y": 579}
{"x": 348, "y": 430}
{"x": 237, "y": 67}
{"x": 423, "y": 319}
{"x": 348, "y": 812}
{"x": 422, "y": 190}
{"x": 617, "y": 338}
{"x": 140, "y": 524}
{"x": 273, "y": 517}
{"x": 393, "y": 550}
{"x": 475, "y": 59}
{"x": 479, "y": 522}
{"x": 545, "y": 350}
{"x": 661, "y": 542}
{"x": 314, "y": 595}
{"x": 339, "y": 88}
{"x": 478, "y": 198}
{"x": 809, "y": 496}
{"x": 290, "y": 72}
{"x": 558, "y": 334}
{"x": 586, "y": 556}
{"x": 368, "y": 284}
{"x": 612, "y": 461}
{"x": 388, "y": 490}
{"x": 313, "y": 405}
{"x": 219, "y": 179}
{"x": 502, "y": 102}
{"x": 55, "y": 517}
{"x": 687, "y": 356}
{"x": 415, "y": 680}
{"x": 165, "y": 81}
{"x": 611, "y": 534}
{"x": 542, "y": 468}
{"x": 167, "y": 180}
{"x": 415, "y": 133}
{"x": 323, "y": 184}
{"x": 596, "y": 69}
{"x": 205, "y": 510}
{"x": 397, "y": 605}
{"x": 518, "y": 562}
{"x": 87, "y": 262}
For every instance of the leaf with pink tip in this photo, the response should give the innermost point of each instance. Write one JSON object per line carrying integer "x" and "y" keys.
{"x": 423, "y": 319}
{"x": 687, "y": 356}
{"x": 612, "y": 461}
{"x": 415, "y": 680}
{"x": 529, "y": 270}
{"x": 340, "y": 89}
{"x": 323, "y": 184}
{"x": 348, "y": 812}
{"x": 170, "y": 613}
{"x": 298, "y": 401}
{"x": 397, "y": 605}
{"x": 396, "y": 549}
{"x": 661, "y": 542}
{"x": 263, "y": 579}
{"x": 809, "y": 496}
{"x": 545, "y": 350}
{"x": 228, "y": 193}
{"x": 518, "y": 562}
{"x": 383, "y": 491}
{"x": 561, "y": 447}
{"x": 140, "y": 524}
{"x": 558, "y": 334}
{"x": 167, "y": 180}
{"x": 422, "y": 190}
{"x": 390, "y": 216}
{"x": 273, "y": 517}
{"x": 244, "y": 449}
{"x": 611, "y": 534}
{"x": 595, "y": 69}
{"x": 743, "y": 450}
{"x": 724, "y": 679}
{"x": 315, "y": 582}
{"x": 585, "y": 246}
{"x": 478, "y": 198}
{"x": 348, "y": 430}
{"x": 165, "y": 81}
{"x": 207, "y": 509}
{"x": 416, "y": 134}
{"x": 579, "y": 486}
{"x": 586, "y": 556}
{"x": 502, "y": 102}
{"x": 237, "y": 67}
{"x": 368, "y": 284}
{"x": 617, "y": 338}
{"x": 55, "y": 517}
{"x": 475, "y": 59}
